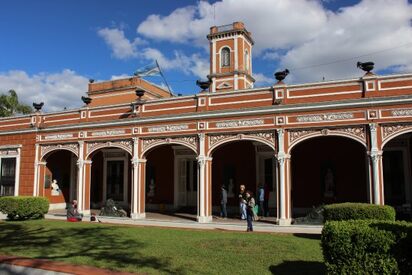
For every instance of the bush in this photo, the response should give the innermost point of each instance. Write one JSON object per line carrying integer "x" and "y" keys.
{"x": 358, "y": 211}
{"x": 367, "y": 247}
{"x": 23, "y": 208}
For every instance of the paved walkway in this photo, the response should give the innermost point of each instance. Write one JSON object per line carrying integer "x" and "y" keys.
{"x": 188, "y": 221}
{"x": 21, "y": 265}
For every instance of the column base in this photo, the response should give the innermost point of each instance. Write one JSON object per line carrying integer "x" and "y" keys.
{"x": 138, "y": 216}
{"x": 284, "y": 222}
{"x": 204, "y": 219}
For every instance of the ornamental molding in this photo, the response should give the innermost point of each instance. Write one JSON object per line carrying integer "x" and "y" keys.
{"x": 324, "y": 117}
{"x": 239, "y": 123}
{"x": 126, "y": 145}
{"x": 358, "y": 133}
{"x": 108, "y": 133}
{"x": 267, "y": 138}
{"x": 168, "y": 128}
{"x": 391, "y": 130}
{"x": 401, "y": 112}
{"x": 72, "y": 147}
{"x": 189, "y": 141}
{"x": 58, "y": 136}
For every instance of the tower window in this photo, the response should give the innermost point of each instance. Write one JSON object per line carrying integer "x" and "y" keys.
{"x": 246, "y": 60}
{"x": 225, "y": 57}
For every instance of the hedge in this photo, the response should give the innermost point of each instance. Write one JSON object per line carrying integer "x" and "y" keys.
{"x": 367, "y": 247}
{"x": 23, "y": 208}
{"x": 358, "y": 211}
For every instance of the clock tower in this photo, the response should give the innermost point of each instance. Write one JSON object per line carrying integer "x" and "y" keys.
{"x": 230, "y": 58}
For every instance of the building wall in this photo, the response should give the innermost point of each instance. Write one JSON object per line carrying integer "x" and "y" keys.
{"x": 27, "y": 142}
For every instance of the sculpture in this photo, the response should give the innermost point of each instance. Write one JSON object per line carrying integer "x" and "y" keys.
{"x": 110, "y": 209}
{"x": 151, "y": 188}
{"x": 55, "y": 190}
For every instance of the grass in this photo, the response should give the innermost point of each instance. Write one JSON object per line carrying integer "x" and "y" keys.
{"x": 162, "y": 250}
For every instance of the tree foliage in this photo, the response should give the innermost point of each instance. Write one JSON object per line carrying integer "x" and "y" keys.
{"x": 10, "y": 106}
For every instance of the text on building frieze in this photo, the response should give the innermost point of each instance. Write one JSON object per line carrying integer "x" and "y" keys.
{"x": 325, "y": 117}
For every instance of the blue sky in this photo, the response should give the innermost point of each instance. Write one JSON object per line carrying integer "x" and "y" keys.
{"x": 49, "y": 49}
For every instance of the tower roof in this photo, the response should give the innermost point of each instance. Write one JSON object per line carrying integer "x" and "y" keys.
{"x": 224, "y": 31}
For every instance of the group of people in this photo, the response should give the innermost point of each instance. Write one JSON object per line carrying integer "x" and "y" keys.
{"x": 247, "y": 204}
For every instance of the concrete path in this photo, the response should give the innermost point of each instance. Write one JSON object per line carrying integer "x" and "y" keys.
{"x": 156, "y": 219}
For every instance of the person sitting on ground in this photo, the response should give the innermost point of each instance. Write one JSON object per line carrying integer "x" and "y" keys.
{"x": 73, "y": 214}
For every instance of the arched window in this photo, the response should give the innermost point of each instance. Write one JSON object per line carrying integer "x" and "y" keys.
{"x": 246, "y": 60}
{"x": 225, "y": 57}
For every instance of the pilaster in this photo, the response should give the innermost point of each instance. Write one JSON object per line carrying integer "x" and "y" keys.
{"x": 376, "y": 163}
{"x": 284, "y": 208}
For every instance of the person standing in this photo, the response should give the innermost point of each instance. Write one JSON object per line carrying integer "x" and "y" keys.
{"x": 261, "y": 200}
{"x": 242, "y": 202}
{"x": 223, "y": 203}
{"x": 250, "y": 204}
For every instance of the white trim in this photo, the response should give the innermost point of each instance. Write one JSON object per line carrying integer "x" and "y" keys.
{"x": 213, "y": 57}
{"x": 236, "y": 53}
{"x": 17, "y": 156}
{"x": 261, "y": 111}
{"x": 36, "y": 168}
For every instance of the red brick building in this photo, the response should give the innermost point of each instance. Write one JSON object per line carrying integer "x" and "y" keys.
{"x": 312, "y": 143}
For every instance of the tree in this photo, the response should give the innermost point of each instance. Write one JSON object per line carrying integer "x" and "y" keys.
{"x": 10, "y": 106}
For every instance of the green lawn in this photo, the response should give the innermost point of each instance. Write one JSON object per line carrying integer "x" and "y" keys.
{"x": 163, "y": 250}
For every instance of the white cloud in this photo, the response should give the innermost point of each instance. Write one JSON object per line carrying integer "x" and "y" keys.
{"x": 273, "y": 23}
{"x": 120, "y": 76}
{"x": 373, "y": 30}
{"x": 56, "y": 90}
{"x": 302, "y": 33}
{"x": 193, "y": 64}
{"x": 122, "y": 48}
{"x": 262, "y": 80}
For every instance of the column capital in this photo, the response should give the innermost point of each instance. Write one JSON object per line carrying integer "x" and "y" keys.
{"x": 203, "y": 159}
{"x": 136, "y": 161}
{"x": 40, "y": 163}
{"x": 282, "y": 156}
{"x": 373, "y": 126}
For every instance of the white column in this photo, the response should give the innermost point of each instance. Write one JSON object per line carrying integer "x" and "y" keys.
{"x": 282, "y": 158}
{"x": 36, "y": 171}
{"x": 80, "y": 180}
{"x": 376, "y": 159}
{"x": 17, "y": 179}
{"x": 202, "y": 213}
{"x": 137, "y": 212}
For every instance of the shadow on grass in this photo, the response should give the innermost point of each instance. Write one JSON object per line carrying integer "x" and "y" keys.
{"x": 308, "y": 236}
{"x": 100, "y": 246}
{"x": 298, "y": 267}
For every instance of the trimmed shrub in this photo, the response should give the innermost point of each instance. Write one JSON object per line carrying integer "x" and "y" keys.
{"x": 367, "y": 247}
{"x": 358, "y": 211}
{"x": 23, "y": 208}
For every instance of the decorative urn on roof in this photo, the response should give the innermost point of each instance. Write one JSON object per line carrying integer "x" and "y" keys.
{"x": 204, "y": 85}
{"x": 366, "y": 66}
{"x": 281, "y": 75}
{"x": 38, "y": 106}
{"x": 86, "y": 100}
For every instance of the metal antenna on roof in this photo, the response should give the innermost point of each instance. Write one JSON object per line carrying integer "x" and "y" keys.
{"x": 164, "y": 78}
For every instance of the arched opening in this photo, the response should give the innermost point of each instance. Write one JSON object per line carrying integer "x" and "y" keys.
{"x": 60, "y": 178}
{"x": 397, "y": 156}
{"x": 245, "y": 162}
{"x": 327, "y": 170}
{"x": 225, "y": 57}
{"x": 171, "y": 180}
{"x": 110, "y": 178}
